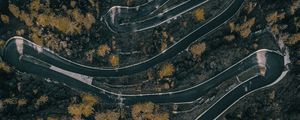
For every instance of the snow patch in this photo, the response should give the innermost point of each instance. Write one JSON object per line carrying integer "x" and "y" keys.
{"x": 39, "y": 49}
{"x": 261, "y": 58}
{"x": 113, "y": 14}
{"x": 83, "y": 78}
{"x": 19, "y": 44}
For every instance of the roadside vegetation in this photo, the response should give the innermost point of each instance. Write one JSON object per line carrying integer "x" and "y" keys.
{"x": 198, "y": 49}
{"x": 199, "y": 14}
{"x": 83, "y": 109}
{"x": 166, "y": 70}
{"x": 149, "y": 111}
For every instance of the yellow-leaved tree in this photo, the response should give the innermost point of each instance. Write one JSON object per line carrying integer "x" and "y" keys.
{"x": 147, "y": 111}
{"x": 114, "y": 60}
{"x": 198, "y": 49}
{"x": 103, "y": 50}
{"x": 166, "y": 70}
{"x": 108, "y": 115}
{"x": 199, "y": 14}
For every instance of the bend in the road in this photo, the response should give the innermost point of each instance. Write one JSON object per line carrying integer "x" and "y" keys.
{"x": 56, "y": 60}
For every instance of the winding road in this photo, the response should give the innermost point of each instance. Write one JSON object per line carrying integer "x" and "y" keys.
{"x": 48, "y": 56}
{"x": 114, "y": 15}
{"x": 28, "y": 57}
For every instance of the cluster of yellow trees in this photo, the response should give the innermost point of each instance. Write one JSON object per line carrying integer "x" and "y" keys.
{"x": 73, "y": 23}
{"x": 83, "y": 109}
{"x": 292, "y": 39}
{"x": 139, "y": 111}
{"x": 294, "y": 6}
{"x": 48, "y": 18}
{"x": 3, "y": 66}
{"x": 20, "y": 102}
{"x": 104, "y": 50}
{"x": 272, "y": 18}
{"x": 14, "y": 101}
{"x": 108, "y": 115}
{"x": 147, "y": 111}
{"x": 244, "y": 29}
